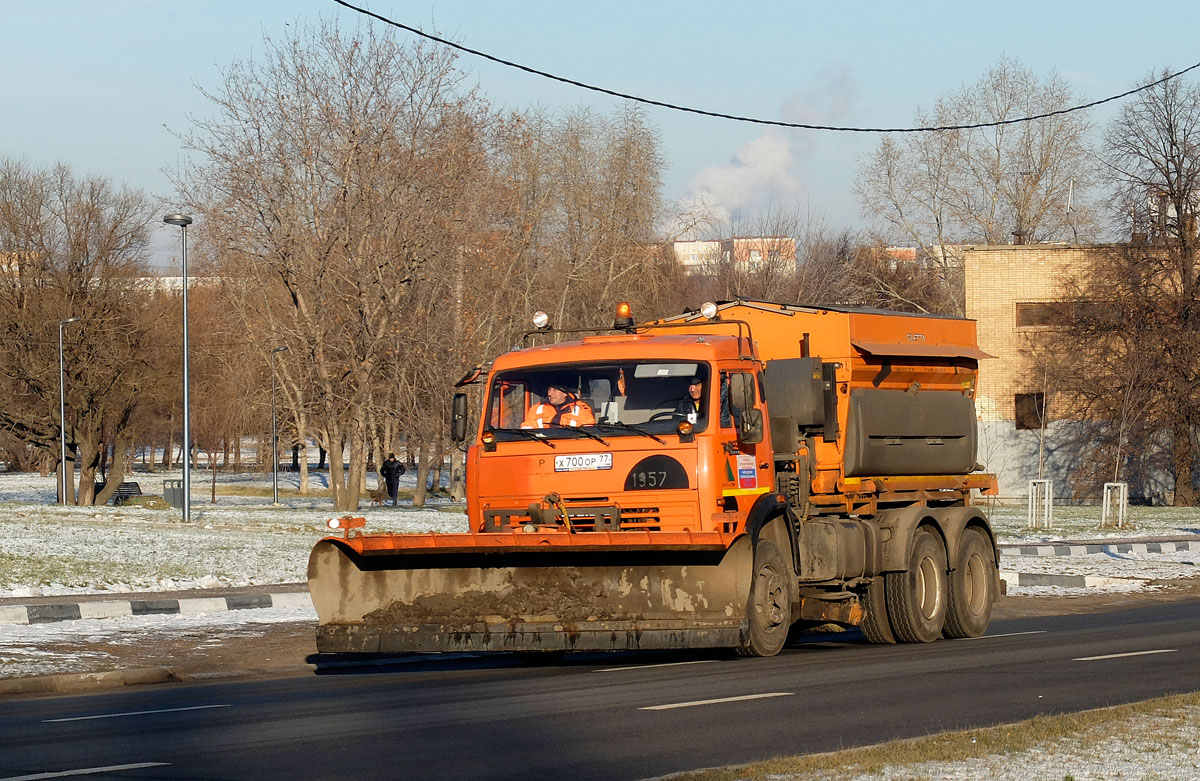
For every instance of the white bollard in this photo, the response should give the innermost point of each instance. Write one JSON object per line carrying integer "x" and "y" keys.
{"x": 1040, "y": 514}
{"x": 1116, "y": 504}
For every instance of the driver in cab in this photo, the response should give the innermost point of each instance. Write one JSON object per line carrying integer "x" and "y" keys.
{"x": 561, "y": 408}
{"x": 690, "y": 406}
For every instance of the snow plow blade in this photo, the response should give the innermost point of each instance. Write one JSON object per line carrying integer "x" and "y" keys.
{"x": 506, "y": 592}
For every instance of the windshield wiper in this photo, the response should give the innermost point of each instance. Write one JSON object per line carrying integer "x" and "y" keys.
{"x": 528, "y": 435}
{"x": 596, "y": 437}
{"x": 634, "y": 429}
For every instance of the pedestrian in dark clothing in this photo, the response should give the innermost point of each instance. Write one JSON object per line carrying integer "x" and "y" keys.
{"x": 390, "y": 471}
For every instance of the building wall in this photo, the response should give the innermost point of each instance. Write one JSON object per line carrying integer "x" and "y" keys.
{"x": 998, "y": 278}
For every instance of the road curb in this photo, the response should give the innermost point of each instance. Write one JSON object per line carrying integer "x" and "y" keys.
{"x": 65, "y": 683}
{"x": 1025, "y": 579}
{"x": 1086, "y": 549}
{"x": 143, "y": 606}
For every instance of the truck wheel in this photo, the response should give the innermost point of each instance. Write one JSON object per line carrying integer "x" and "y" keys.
{"x": 875, "y": 626}
{"x": 770, "y": 609}
{"x": 917, "y": 597}
{"x": 972, "y": 587}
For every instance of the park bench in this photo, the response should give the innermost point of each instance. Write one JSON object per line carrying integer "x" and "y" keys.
{"x": 125, "y": 491}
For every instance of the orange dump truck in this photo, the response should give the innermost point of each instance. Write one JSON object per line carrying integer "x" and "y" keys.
{"x": 718, "y": 479}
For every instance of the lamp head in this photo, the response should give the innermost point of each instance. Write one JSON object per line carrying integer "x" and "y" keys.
{"x": 181, "y": 220}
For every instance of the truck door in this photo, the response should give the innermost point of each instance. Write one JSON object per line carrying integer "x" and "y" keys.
{"x": 742, "y": 421}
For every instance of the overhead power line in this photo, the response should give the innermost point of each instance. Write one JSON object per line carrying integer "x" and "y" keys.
{"x": 752, "y": 120}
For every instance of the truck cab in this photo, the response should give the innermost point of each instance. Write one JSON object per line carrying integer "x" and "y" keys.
{"x": 671, "y": 437}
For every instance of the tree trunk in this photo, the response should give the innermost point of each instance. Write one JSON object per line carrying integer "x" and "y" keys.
{"x": 170, "y": 444}
{"x": 1185, "y": 493}
{"x": 115, "y": 472}
{"x": 423, "y": 460}
{"x": 302, "y": 441}
{"x": 337, "y": 472}
{"x": 458, "y": 483}
{"x": 438, "y": 459}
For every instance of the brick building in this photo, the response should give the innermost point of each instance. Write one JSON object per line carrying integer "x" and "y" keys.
{"x": 1013, "y": 292}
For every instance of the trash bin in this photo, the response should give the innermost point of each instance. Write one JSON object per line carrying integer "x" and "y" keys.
{"x": 173, "y": 492}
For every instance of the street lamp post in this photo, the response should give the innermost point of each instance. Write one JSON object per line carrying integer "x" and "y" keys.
{"x": 62, "y": 409}
{"x": 274, "y": 430}
{"x": 182, "y": 220}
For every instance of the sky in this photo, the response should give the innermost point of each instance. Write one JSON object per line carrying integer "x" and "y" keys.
{"x": 106, "y": 86}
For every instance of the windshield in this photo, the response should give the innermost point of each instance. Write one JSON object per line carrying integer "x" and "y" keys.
{"x": 636, "y": 398}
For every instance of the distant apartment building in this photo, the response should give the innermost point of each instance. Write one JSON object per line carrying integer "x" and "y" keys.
{"x": 746, "y": 252}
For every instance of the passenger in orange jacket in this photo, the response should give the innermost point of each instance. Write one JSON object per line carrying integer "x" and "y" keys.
{"x": 561, "y": 408}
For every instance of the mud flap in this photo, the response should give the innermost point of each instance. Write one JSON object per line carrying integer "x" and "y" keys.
{"x": 553, "y": 601}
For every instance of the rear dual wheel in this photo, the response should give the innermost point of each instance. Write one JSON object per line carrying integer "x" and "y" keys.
{"x": 918, "y": 598}
{"x": 972, "y": 587}
{"x": 875, "y": 625}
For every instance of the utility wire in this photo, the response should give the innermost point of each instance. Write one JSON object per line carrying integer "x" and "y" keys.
{"x": 737, "y": 118}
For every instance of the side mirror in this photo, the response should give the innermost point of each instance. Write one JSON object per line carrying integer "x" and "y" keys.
{"x": 750, "y": 428}
{"x": 458, "y": 418}
{"x": 741, "y": 390}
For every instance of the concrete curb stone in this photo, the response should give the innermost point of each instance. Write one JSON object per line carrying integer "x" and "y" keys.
{"x": 65, "y": 683}
{"x": 1090, "y": 548}
{"x": 1062, "y": 581}
{"x": 140, "y": 606}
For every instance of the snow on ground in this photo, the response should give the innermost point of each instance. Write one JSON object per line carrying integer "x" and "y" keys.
{"x": 1152, "y": 746}
{"x": 48, "y": 549}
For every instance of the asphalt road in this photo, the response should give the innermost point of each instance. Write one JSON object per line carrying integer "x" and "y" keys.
{"x": 604, "y": 716}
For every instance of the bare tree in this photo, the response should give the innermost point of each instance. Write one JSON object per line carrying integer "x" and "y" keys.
{"x": 1132, "y": 348}
{"x": 942, "y": 189}
{"x": 329, "y": 178}
{"x": 75, "y": 248}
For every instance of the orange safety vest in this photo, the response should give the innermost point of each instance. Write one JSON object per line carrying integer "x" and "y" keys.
{"x": 573, "y": 412}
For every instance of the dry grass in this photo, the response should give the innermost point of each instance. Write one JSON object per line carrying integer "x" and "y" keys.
{"x": 1086, "y": 732}
{"x": 253, "y": 490}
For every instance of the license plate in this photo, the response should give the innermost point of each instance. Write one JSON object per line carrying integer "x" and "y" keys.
{"x": 585, "y": 462}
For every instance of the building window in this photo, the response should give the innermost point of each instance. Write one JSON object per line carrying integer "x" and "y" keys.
{"x": 1043, "y": 314}
{"x": 1030, "y": 410}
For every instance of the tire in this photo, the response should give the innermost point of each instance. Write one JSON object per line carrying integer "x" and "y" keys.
{"x": 972, "y": 587}
{"x": 875, "y": 626}
{"x": 770, "y": 607}
{"x": 917, "y": 597}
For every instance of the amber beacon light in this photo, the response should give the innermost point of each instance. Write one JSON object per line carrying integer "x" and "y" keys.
{"x": 624, "y": 318}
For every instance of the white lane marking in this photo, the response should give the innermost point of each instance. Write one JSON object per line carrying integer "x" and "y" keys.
{"x": 87, "y": 771}
{"x": 694, "y": 703}
{"x": 1121, "y": 656}
{"x": 131, "y": 713}
{"x": 649, "y": 666}
{"x": 1010, "y": 634}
